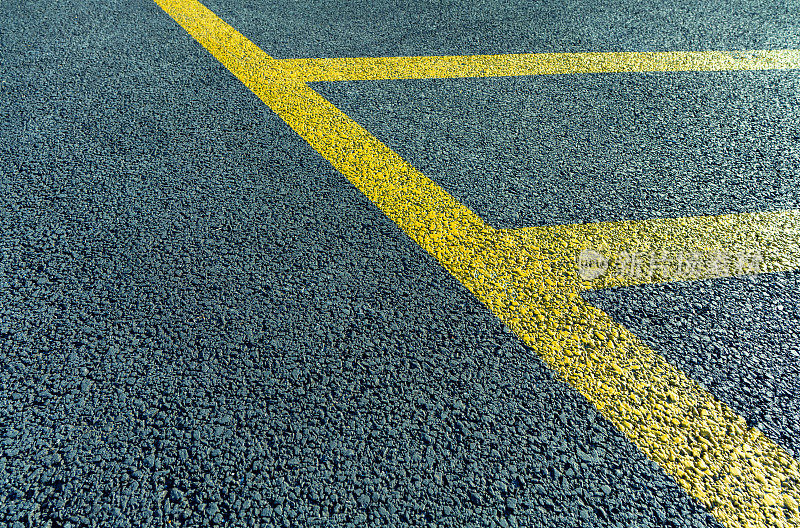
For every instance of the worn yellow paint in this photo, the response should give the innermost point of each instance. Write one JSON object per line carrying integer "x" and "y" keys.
{"x": 527, "y": 278}
{"x": 452, "y": 66}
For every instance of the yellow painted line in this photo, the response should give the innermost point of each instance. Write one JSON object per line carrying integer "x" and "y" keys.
{"x": 453, "y": 66}
{"x": 741, "y": 476}
{"x": 651, "y": 251}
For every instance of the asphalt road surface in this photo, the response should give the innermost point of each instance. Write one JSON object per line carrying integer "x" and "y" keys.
{"x": 204, "y": 322}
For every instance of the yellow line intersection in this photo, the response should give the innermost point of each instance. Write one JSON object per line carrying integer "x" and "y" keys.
{"x": 527, "y": 277}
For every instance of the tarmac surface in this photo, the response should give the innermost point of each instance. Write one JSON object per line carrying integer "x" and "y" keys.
{"x": 203, "y": 322}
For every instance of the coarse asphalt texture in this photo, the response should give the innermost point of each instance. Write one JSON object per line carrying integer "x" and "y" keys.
{"x": 203, "y": 323}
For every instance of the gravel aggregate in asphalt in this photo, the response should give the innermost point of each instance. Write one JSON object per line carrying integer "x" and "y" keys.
{"x": 737, "y": 336}
{"x": 360, "y": 28}
{"x": 563, "y": 149}
{"x": 201, "y": 322}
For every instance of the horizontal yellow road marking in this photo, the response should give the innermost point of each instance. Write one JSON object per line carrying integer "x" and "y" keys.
{"x": 740, "y": 475}
{"x": 656, "y": 246}
{"x": 453, "y": 66}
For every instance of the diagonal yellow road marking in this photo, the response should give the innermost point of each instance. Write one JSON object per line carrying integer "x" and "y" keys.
{"x": 452, "y": 66}
{"x": 741, "y": 476}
